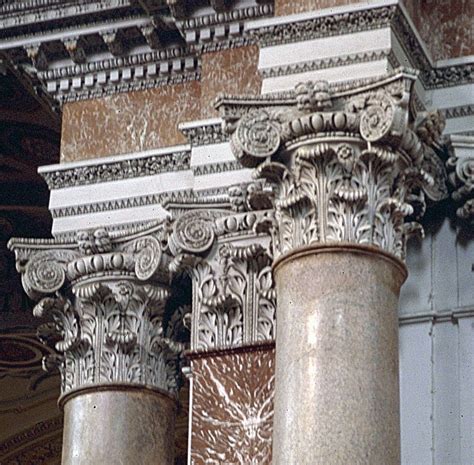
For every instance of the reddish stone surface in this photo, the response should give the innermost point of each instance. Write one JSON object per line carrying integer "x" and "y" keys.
{"x": 233, "y": 71}
{"x": 143, "y": 120}
{"x": 446, "y": 26}
{"x": 128, "y": 122}
{"x": 285, "y": 7}
{"x": 232, "y": 407}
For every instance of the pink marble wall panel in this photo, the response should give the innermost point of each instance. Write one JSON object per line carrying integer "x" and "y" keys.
{"x": 288, "y": 7}
{"x": 446, "y": 26}
{"x": 128, "y": 122}
{"x": 232, "y": 413}
{"x": 233, "y": 71}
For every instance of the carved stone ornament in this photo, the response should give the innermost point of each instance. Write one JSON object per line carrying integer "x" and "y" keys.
{"x": 461, "y": 176}
{"x": 234, "y": 301}
{"x": 229, "y": 264}
{"x": 104, "y": 296}
{"x": 347, "y": 166}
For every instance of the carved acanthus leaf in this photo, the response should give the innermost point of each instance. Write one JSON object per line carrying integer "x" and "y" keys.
{"x": 345, "y": 166}
{"x": 234, "y": 299}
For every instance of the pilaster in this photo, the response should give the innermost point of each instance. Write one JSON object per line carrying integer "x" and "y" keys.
{"x": 232, "y": 329}
{"x": 461, "y": 176}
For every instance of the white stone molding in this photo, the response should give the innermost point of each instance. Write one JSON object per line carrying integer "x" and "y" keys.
{"x": 347, "y": 166}
{"x": 461, "y": 176}
{"x": 105, "y": 296}
{"x": 142, "y": 187}
{"x": 109, "y": 169}
{"x": 204, "y": 132}
{"x": 137, "y": 57}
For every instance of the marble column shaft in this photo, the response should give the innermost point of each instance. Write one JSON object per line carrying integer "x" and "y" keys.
{"x": 336, "y": 381}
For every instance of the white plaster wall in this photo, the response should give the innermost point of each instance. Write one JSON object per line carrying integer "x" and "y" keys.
{"x": 437, "y": 351}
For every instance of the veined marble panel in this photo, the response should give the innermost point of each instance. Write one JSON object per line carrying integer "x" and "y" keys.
{"x": 284, "y": 7}
{"x": 452, "y": 21}
{"x": 130, "y": 122}
{"x": 228, "y": 71}
{"x": 232, "y": 407}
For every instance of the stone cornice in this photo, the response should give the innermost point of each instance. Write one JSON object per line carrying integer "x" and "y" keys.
{"x": 74, "y": 62}
{"x": 350, "y": 20}
{"x": 77, "y": 52}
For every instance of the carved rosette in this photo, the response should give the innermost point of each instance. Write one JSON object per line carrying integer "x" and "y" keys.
{"x": 104, "y": 299}
{"x": 346, "y": 166}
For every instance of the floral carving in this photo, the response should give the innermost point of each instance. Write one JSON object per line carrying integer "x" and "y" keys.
{"x": 376, "y": 120}
{"x": 234, "y": 300}
{"x": 359, "y": 173}
{"x": 461, "y": 176}
{"x": 104, "y": 298}
{"x": 45, "y": 273}
{"x": 257, "y": 137}
{"x": 148, "y": 258}
{"x": 193, "y": 232}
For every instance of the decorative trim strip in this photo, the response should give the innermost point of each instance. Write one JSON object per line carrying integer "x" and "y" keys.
{"x": 242, "y": 14}
{"x": 204, "y": 134}
{"x": 163, "y": 199}
{"x": 332, "y": 62}
{"x": 119, "y": 170}
{"x": 324, "y": 26}
{"x": 131, "y": 202}
{"x": 18, "y": 13}
{"x": 121, "y": 87}
{"x": 458, "y": 112}
{"x": 212, "y": 168}
{"x": 39, "y": 430}
{"x": 157, "y": 57}
{"x": 437, "y": 316}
